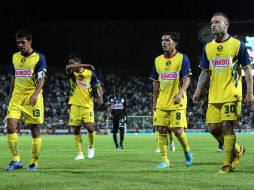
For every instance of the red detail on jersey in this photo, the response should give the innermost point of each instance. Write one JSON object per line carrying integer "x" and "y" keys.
{"x": 221, "y": 62}
{"x": 169, "y": 76}
{"x": 23, "y": 73}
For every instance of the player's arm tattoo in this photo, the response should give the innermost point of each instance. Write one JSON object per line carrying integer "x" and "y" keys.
{"x": 248, "y": 79}
{"x": 203, "y": 79}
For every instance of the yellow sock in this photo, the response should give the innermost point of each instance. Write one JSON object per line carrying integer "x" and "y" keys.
{"x": 184, "y": 142}
{"x": 78, "y": 143}
{"x": 237, "y": 149}
{"x": 229, "y": 143}
{"x": 163, "y": 144}
{"x": 171, "y": 138}
{"x": 36, "y": 146}
{"x": 13, "y": 146}
{"x": 157, "y": 138}
{"x": 91, "y": 137}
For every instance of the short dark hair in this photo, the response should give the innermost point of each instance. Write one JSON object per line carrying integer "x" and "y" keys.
{"x": 174, "y": 36}
{"x": 24, "y": 33}
{"x": 76, "y": 57}
{"x": 221, "y": 14}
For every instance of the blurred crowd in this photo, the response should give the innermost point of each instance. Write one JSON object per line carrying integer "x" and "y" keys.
{"x": 137, "y": 90}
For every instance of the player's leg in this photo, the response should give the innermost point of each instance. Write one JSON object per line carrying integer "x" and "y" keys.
{"x": 36, "y": 146}
{"x": 91, "y": 137}
{"x": 88, "y": 118}
{"x": 115, "y": 131}
{"x": 14, "y": 114}
{"x": 216, "y": 130}
{"x": 78, "y": 142}
{"x": 161, "y": 120}
{"x": 171, "y": 140}
{"x": 229, "y": 116}
{"x": 12, "y": 139}
{"x": 121, "y": 130}
{"x": 163, "y": 144}
{"x": 177, "y": 123}
{"x": 157, "y": 139}
{"x": 34, "y": 117}
{"x": 76, "y": 122}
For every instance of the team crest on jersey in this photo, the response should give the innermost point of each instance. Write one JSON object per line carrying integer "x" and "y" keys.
{"x": 168, "y": 63}
{"x": 221, "y": 62}
{"x": 169, "y": 75}
{"x": 26, "y": 73}
{"x": 23, "y": 60}
{"x": 83, "y": 85}
{"x": 220, "y": 48}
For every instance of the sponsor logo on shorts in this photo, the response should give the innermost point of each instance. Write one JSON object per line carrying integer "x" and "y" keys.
{"x": 169, "y": 75}
{"x": 27, "y": 73}
{"x": 221, "y": 62}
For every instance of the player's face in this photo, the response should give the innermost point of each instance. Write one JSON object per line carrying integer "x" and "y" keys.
{"x": 167, "y": 43}
{"x": 72, "y": 61}
{"x": 24, "y": 45}
{"x": 219, "y": 25}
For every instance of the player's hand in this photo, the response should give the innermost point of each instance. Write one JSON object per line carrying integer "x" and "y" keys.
{"x": 196, "y": 96}
{"x": 154, "y": 107}
{"x": 88, "y": 66}
{"x": 249, "y": 99}
{"x": 33, "y": 99}
{"x": 177, "y": 98}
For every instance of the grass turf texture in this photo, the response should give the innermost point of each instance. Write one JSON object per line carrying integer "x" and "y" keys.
{"x": 129, "y": 169}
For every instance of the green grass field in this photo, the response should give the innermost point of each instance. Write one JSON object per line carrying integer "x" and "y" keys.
{"x": 131, "y": 169}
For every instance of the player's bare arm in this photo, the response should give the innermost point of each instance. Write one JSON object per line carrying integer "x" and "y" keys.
{"x": 156, "y": 87}
{"x": 12, "y": 86}
{"x": 74, "y": 66}
{"x": 202, "y": 81}
{"x": 100, "y": 94}
{"x": 186, "y": 82}
{"x": 249, "y": 83}
{"x": 39, "y": 86}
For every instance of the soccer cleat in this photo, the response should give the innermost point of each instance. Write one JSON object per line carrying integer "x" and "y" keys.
{"x": 90, "y": 153}
{"x": 163, "y": 165}
{"x": 172, "y": 147}
{"x": 117, "y": 147}
{"x": 158, "y": 150}
{"x": 79, "y": 157}
{"x": 225, "y": 169}
{"x": 188, "y": 158}
{"x": 32, "y": 167}
{"x": 236, "y": 158}
{"x": 14, "y": 165}
{"x": 220, "y": 149}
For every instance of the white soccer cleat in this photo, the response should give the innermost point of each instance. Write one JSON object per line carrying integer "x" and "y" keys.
{"x": 90, "y": 153}
{"x": 79, "y": 157}
{"x": 158, "y": 149}
{"x": 172, "y": 147}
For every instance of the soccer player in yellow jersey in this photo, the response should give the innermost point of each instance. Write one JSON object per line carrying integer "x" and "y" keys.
{"x": 171, "y": 78}
{"x": 27, "y": 73}
{"x": 222, "y": 61}
{"x": 82, "y": 80}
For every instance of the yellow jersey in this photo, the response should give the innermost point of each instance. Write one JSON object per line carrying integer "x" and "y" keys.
{"x": 169, "y": 72}
{"x": 225, "y": 60}
{"x": 82, "y": 83}
{"x": 25, "y": 70}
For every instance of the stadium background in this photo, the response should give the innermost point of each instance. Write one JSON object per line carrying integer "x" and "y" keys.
{"x": 120, "y": 43}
